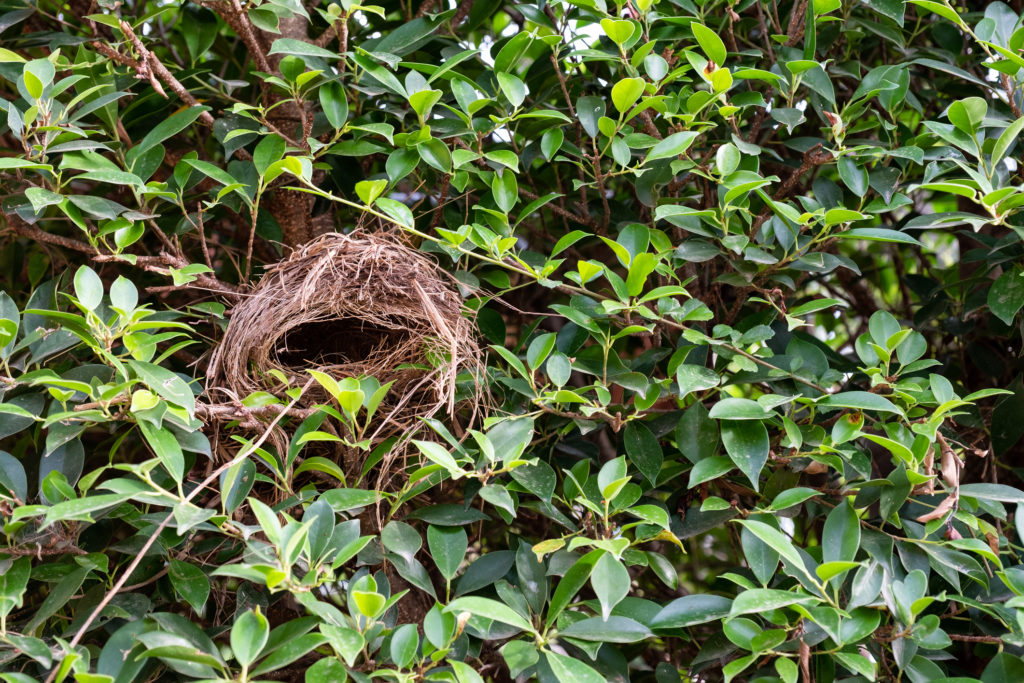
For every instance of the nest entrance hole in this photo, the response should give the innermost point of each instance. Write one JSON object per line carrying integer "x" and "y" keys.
{"x": 341, "y": 341}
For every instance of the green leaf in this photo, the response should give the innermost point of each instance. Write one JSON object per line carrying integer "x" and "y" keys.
{"x": 13, "y": 581}
{"x": 610, "y": 580}
{"x": 436, "y": 154}
{"x": 301, "y": 48}
{"x": 326, "y": 671}
{"x": 787, "y": 668}
{"x": 709, "y": 468}
{"x": 401, "y": 539}
{"x": 447, "y": 547}
{"x": 828, "y": 570}
{"x": 423, "y": 101}
{"x": 672, "y": 146}
{"x": 505, "y": 190}
{"x": 512, "y": 87}
{"x": 1006, "y": 140}
{"x": 813, "y": 306}
{"x": 347, "y": 642}
{"x": 837, "y": 216}
{"x": 558, "y": 368}
{"x": 626, "y": 92}
{"x": 853, "y": 176}
{"x": 619, "y": 30}
{"x": 113, "y": 177}
{"x": 791, "y": 497}
{"x": 1006, "y": 295}
{"x": 343, "y": 500}
{"x": 691, "y": 610}
{"x": 612, "y": 630}
{"x": 967, "y": 114}
{"x": 861, "y": 400}
{"x": 123, "y": 294}
{"x": 643, "y": 450}
{"x": 738, "y": 409}
{"x": 369, "y": 603}
{"x": 571, "y": 670}
{"x": 437, "y": 453}
{"x": 190, "y": 582}
{"x": 639, "y": 270}
{"x": 571, "y": 583}
{"x": 765, "y": 600}
{"x": 550, "y": 143}
{"x": 447, "y": 515}
{"x": 248, "y": 636}
{"x": 894, "y": 9}
{"x": 404, "y": 643}
{"x": 58, "y": 595}
{"x": 728, "y": 158}
{"x": 691, "y": 378}
{"x": 748, "y": 445}
{"x": 841, "y": 535}
{"x": 652, "y": 514}
{"x": 369, "y": 190}
{"x": 498, "y": 496}
{"x": 709, "y": 41}
{"x": 270, "y": 149}
{"x": 612, "y": 477}
{"x": 10, "y": 163}
{"x": 997, "y": 492}
{"x": 88, "y": 287}
{"x": 167, "y": 449}
{"x": 590, "y": 109}
{"x": 218, "y": 174}
{"x": 1003, "y": 667}
{"x": 289, "y": 651}
{"x": 489, "y": 609}
{"x": 763, "y": 561}
{"x": 504, "y": 157}
{"x": 879, "y": 235}
{"x": 168, "y": 128}
{"x": 334, "y": 102}
{"x": 697, "y": 434}
{"x": 81, "y": 509}
{"x": 778, "y": 541}
{"x": 166, "y": 384}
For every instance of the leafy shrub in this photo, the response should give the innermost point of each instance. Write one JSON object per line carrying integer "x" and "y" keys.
{"x": 749, "y": 275}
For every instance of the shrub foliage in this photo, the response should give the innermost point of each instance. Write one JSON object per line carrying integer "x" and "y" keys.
{"x": 748, "y": 279}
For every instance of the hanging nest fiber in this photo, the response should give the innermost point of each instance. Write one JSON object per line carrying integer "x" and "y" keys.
{"x": 351, "y": 306}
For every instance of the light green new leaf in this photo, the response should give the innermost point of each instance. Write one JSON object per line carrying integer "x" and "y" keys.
{"x": 765, "y": 600}
{"x": 626, "y": 92}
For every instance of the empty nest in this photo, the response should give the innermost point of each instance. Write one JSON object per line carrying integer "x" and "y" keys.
{"x": 351, "y": 306}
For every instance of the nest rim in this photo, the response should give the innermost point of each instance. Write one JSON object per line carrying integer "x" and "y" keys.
{"x": 426, "y": 336}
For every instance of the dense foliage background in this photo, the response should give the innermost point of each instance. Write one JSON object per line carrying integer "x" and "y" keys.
{"x": 750, "y": 274}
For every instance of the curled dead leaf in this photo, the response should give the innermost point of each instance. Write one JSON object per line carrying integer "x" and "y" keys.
{"x": 816, "y": 468}
{"x": 993, "y": 542}
{"x": 942, "y": 508}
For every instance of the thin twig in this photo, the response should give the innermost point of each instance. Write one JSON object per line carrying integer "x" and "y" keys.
{"x": 159, "y": 264}
{"x": 156, "y": 69}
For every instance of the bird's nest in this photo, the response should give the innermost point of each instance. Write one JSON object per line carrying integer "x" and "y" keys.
{"x": 351, "y": 306}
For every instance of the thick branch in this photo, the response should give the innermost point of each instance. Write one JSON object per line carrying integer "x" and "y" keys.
{"x": 158, "y": 264}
